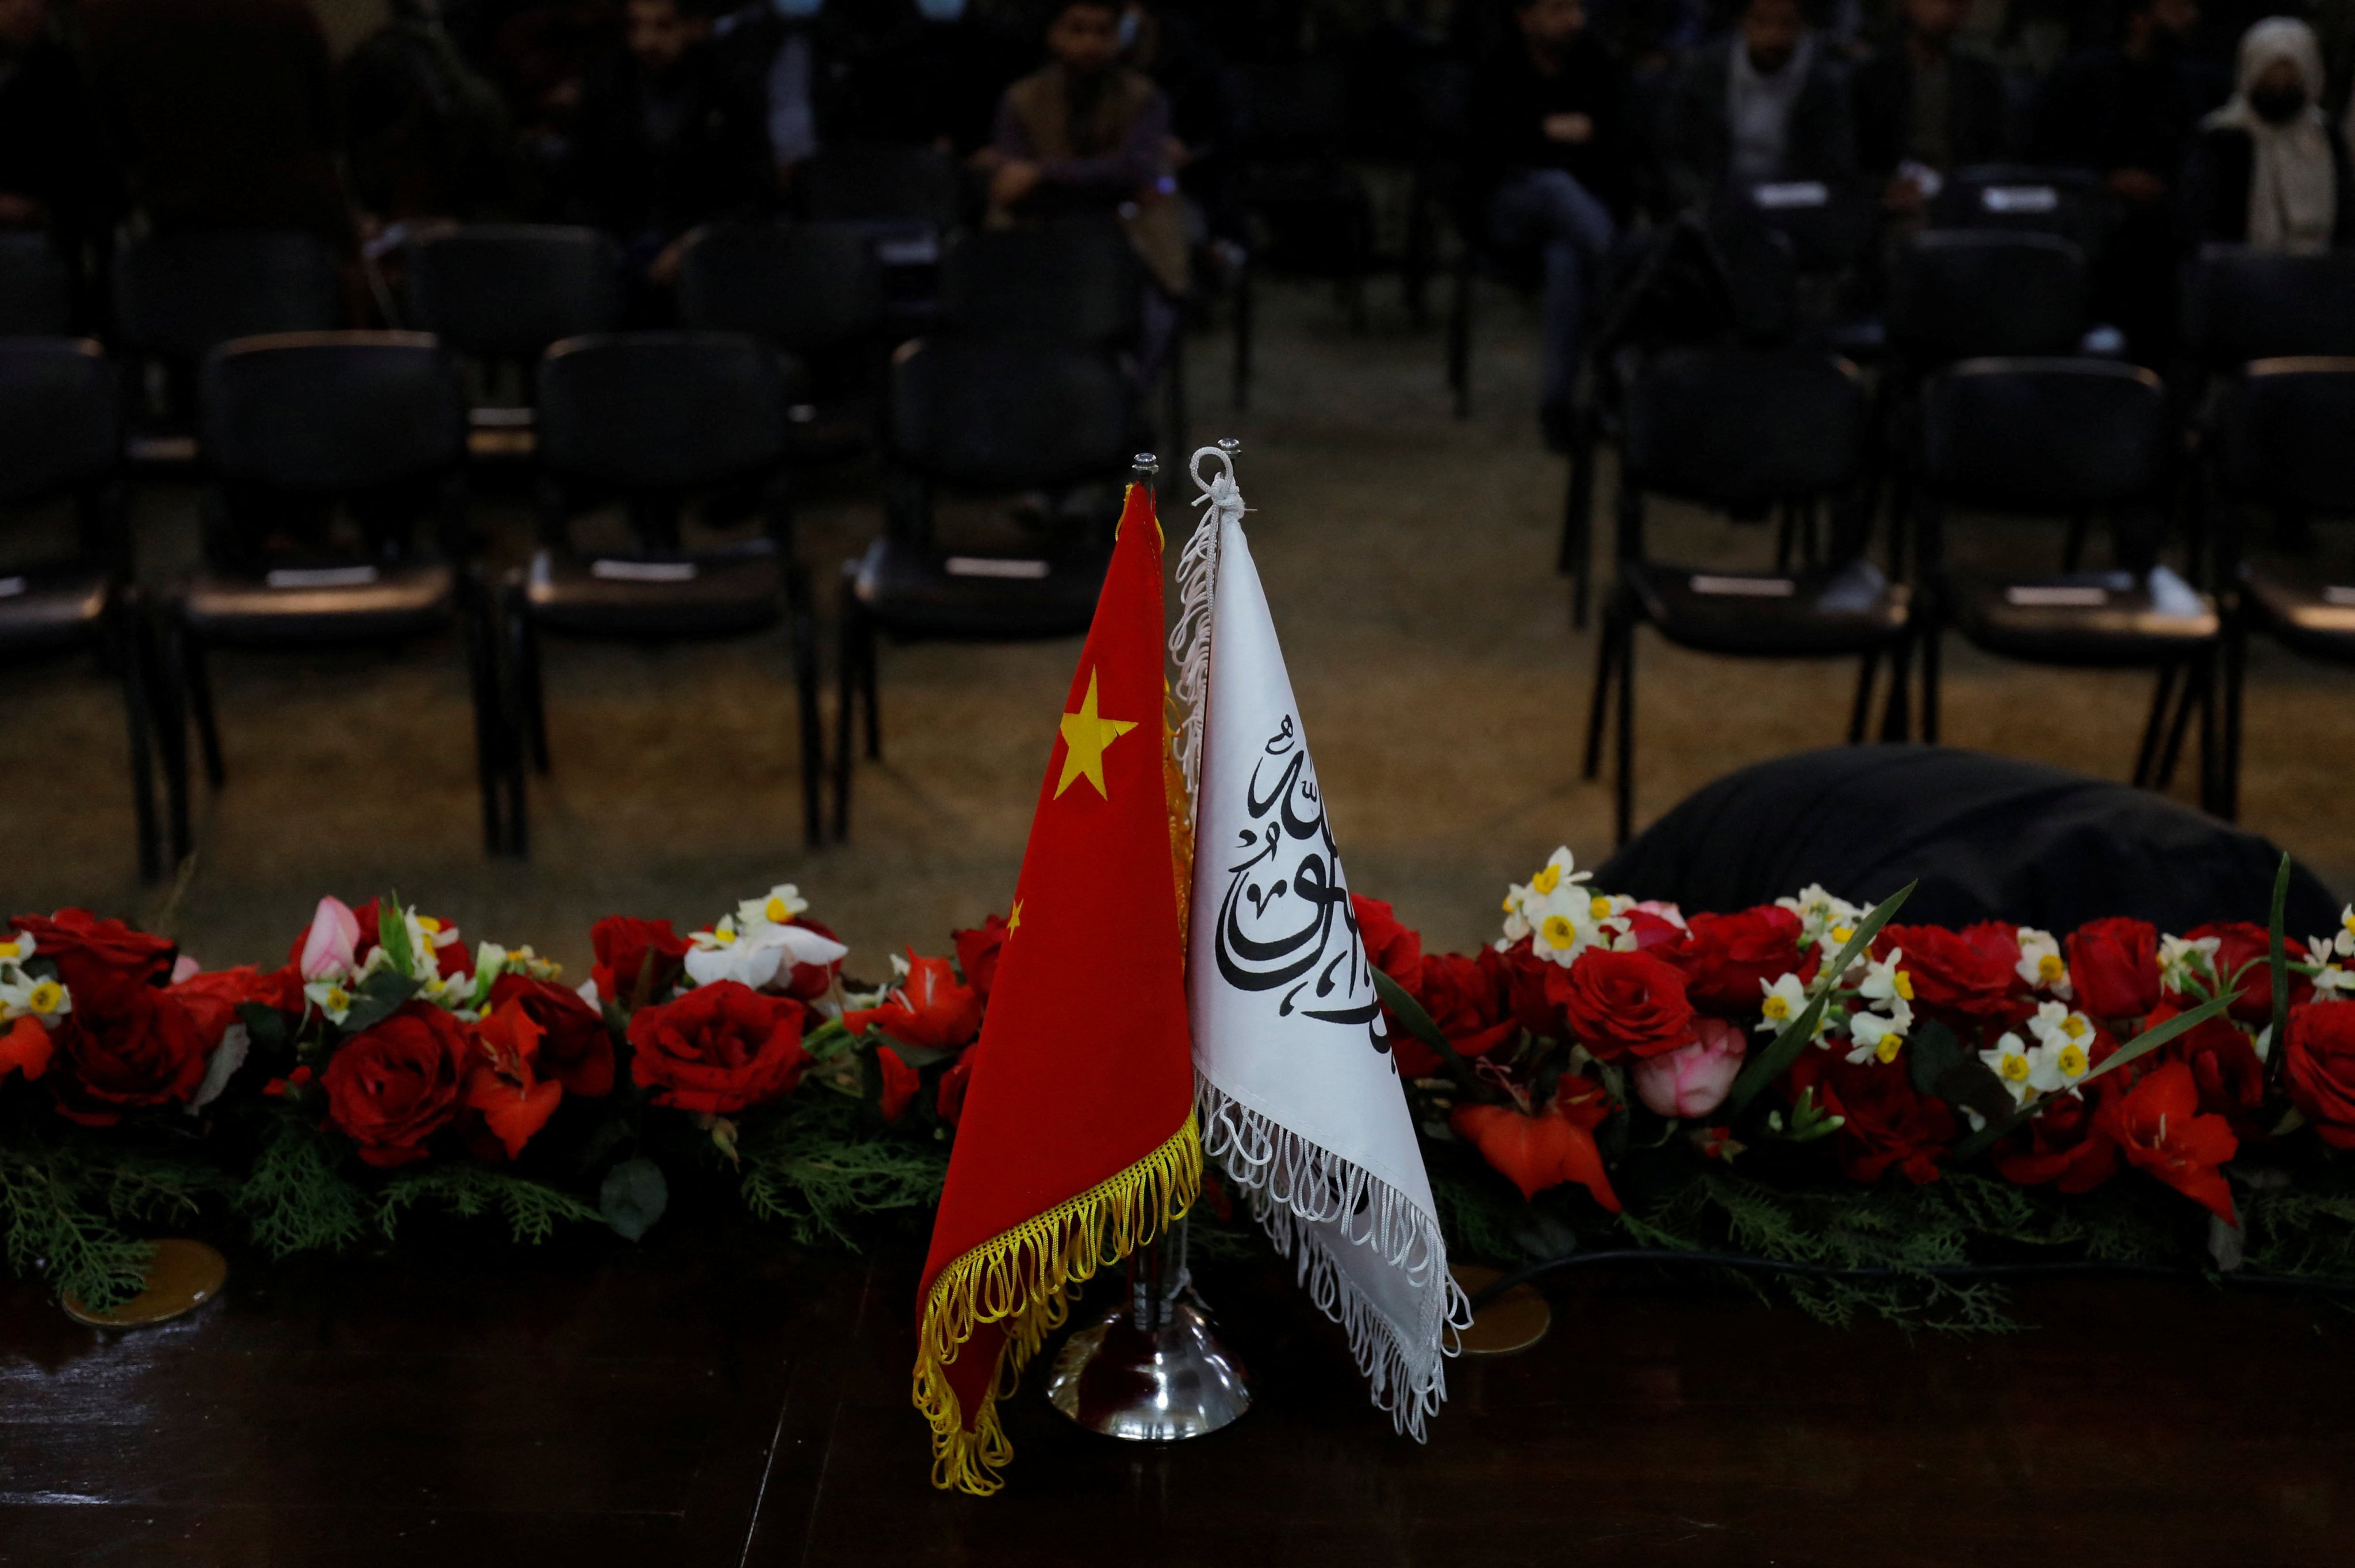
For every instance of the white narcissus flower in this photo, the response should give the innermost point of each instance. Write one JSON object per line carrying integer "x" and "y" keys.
{"x": 2040, "y": 964}
{"x": 1820, "y": 914}
{"x": 1885, "y": 982}
{"x": 1550, "y": 892}
{"x": 778, "y": 907}
{"x": 23, "y": 995}
{"x": 2014, "y": 1063}
{"x": 2330, "y": 982}
{"x": 16, "y": 946}
{"x": 1873, "y": 1035}
{"x": 2181, "y": 961}
{"x": 2054, "y": 1025}
{"x": 2343, "y": 944}
{"x": 330, "y": 997}
{"x": 758, "y": 956}
{"x": 1784, "y": 1000}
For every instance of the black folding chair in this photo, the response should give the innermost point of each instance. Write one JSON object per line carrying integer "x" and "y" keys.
{"x": 953, "y": 425}
{"x": 2026, "y": 198}
{"x": 815, "y": 290}
{"x": 908, "y": 200}
{"x": 659, "y": 421}
{"x": 328, "y": 450}
{"x": 1740, "y": 430}
{"x": 35, "y": 289}
{"x": 179, "y": 296}
{"x": 499, "y": 293}
{"x": 2065, "y": 438}
{"x": 2239, "y": 305}
{"x": 60, "y": 436}
{"x": 2284, "y": 447}
{"x": 1310, "y": 212}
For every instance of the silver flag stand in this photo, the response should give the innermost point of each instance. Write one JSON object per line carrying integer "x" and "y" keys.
{"x": 1151, "y": 1371}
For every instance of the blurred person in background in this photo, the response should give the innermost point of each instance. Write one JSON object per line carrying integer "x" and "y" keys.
{"x": 1924, "y": 108}
{"x": 2129, "y": 110}
{"x": 2269, "y": 170}
{"x": 220, "y": 114}
{"x": 932, "y": 79}
{"x": 52, "y": 174}
{"x": 1205, "y": 118}
{"x": 1086, "y": 136}
{"x": 668, "y": 139}
{"x": 1765, "y": 102}
{"x": 426, "y": 136}
{"x": 540, "y": 56}
{"x": 792, "y": 55}
{"x": 1552, "y": 154}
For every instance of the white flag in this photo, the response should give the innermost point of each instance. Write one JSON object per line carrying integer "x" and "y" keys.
{"x": 1298, "y": 1095}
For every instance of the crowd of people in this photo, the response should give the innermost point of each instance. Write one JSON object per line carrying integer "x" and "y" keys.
{"x": 1571, "y": 123}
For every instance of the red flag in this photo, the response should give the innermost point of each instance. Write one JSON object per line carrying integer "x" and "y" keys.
{"x": 1077, "y": 1141}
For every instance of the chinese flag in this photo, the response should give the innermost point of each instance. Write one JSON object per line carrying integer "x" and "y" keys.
{"x": 1077, "y": 1142}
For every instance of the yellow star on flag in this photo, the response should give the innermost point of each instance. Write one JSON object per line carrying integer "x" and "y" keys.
{"x": 1014, "y": 924}
{"x": 1085, "y": 737}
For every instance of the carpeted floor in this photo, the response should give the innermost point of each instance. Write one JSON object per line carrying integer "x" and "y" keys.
{"x": 1409, "y": 561}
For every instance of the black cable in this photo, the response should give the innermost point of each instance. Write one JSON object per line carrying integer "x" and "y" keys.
{"x": 1965, "y": 1271}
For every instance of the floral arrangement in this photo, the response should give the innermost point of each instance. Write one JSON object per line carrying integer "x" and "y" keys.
{"x": 1809, "y": 1080}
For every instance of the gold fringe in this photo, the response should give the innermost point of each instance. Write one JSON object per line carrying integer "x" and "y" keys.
{"x": 1025, "y": 1279}
{"x": 1181, "y": 809}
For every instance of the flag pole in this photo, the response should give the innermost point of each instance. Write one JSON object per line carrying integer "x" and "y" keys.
{"x": 1151, "y": 1369}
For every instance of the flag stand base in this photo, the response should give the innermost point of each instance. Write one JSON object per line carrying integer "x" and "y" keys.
{"x": 1151, "y": 1371}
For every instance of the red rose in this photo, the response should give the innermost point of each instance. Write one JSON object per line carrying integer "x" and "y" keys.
{"x": 929, "y": 1009}
{"x": 392, "y": 1087}
{"x": 2246, "y": 950}
{"x": 1652, "y": 931}
{"x": 1729, "y": 961}
{"x": 1526, "y": 980}
{"x": 2321, "y": 1068}
{"x": 2066, "y": 1146}
{"x": 720, "y": 1049}
{"x": 900, "y": 1082}
{"x": 1888, "y": 1125}
{"x": 1622, "y": 1004}
{"x": 1391, "y": 946}
{"x": 1998, "y": 939}
{"x": 98, "y": 960}
{"x": 213, "y": 998}
{"x": 1950, "y": 978}
{"x": 2113, "y": 968}
{"x": 575, "y": 1047}
{"x": 2159, "y": 1126}
{"x": 1465, "y": 998}
{"x": 628, "y": 949}
{"x": 977, "y": 951}
{"x": 146, "y": 1051}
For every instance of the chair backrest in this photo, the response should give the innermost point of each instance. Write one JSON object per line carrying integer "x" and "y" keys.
{"x": 1962, "y": 292}
{"x": 1008, "y": 414}
{"x": 869, "y": 181}
{"x": 2239, "y": 305}
{"x": 1828, "y": 225}
{"x": 1295, "y": 111}
{"x": 507, "y": 291}
{"x": 1074, "y": 282}
{"x": 334, "y": 413}
{"x": 61, "y": 416}
{"x": 803, "y": 287}
{"x": 2288, "y": 435}
{"x": 2026, "y": 198}
{"x": 2043, "y": 435}
{"x": 662, "y": 410}
{"x": 181, "y": 295}
{"x": 1743, "y": 427}
{"x": 35, "y": 299}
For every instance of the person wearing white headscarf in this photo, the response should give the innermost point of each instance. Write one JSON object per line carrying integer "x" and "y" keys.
{"x": 2270, "y": 171}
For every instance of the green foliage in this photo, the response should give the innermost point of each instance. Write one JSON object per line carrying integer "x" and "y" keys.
{"x": 64, "y": 1204}
{"x": 294, "y": 1199}
{"x": 812, "y": 1165}
{"x": 470, "y": 1190}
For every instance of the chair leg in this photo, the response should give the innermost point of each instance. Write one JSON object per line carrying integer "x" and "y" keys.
{"x": 1244, "y": 329}
{"x": 1598, "y": 707}
{"x": 493, "y": 739}
{"x": 845, "y": 710}
{"x": 531, "y": 690}
{"x": 1578, "y": 520}
{"x": 1857, "y": 714}
{"x": 2197, "y": 680}
{"x": 1623, "y": 804}
{"x": 198, "y": 687}
{"x": 2228, "y": 764}
{"x": 813, "y": 734}
{"x": 2154, "y": 728}
{"x": 128, "y": 633}
{"x": 2211, "y": 788}
{"x": 869, "y": 680}
{"x": 2073, "y": 553}
{"x": 169, "y": 711}
{"x": 1932, "y": 645}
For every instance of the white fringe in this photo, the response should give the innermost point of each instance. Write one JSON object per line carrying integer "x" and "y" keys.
{"x": 1190, "y": 639}
{"x": 1293, "y": 1183}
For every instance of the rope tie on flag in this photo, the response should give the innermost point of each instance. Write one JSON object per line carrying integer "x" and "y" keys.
{"x": 1190, "y": 639}
{"x": 1025, "y": 1280}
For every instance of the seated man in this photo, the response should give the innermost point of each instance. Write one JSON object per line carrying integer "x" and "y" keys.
{"x": 668, "y": 139}
{"x": 1087, "y": 135}
{"x": 1764, "y": 103}
{"x": 1551, "y": 152}
{"x": 1923, "y": 108}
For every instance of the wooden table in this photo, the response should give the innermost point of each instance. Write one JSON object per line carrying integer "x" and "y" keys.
{"x": 718, "y": 1397}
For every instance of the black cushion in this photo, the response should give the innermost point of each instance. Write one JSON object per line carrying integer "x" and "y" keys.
{"x": 2089, "y": 620}
{"x": 1959, "y": 292}
{"x": 805, "y": 287}
{"x": 181, "y": 294}
{"x": 666, "y": 595}
{"x": 60, "y": 423}
{"x": 1852, "y": 610}
{"x": 2314, "y": 617}
{"x": 1743, "y": 427}
{"x": 2239, "y": 305}
{"x": 2287, "y": 434}
{"x": 333, "y": 411}
{"x": 922, "y": 593}
{"x": 872, "y": 181}
{"x": 1075, "y": 281}
{"x": 2043, "y": 435}
{"x": 51, "y": 606}
{"x": 2070, "y": 203}
{"x": 34, "y": 297}
{"x": 509, "y": 290}
{"x": 1987, "y": 837}
{"x": 1009, "y": 414}
{"x": 663, "y": 409}
{"x": 331, "y": 602}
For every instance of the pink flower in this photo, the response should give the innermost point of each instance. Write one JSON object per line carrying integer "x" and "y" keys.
{"x": 1691, "y": 1080}
{"x": 329, "y": 947}
{"x": 185, "y": 969}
